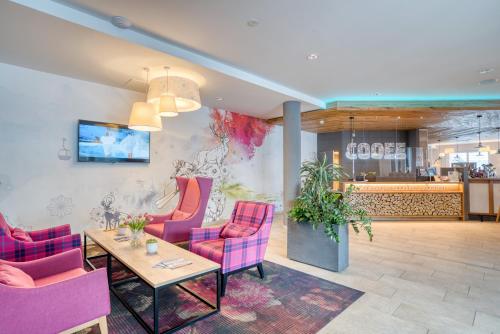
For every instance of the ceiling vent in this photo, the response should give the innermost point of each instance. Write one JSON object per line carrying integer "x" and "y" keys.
{"x": 121, "y": 22}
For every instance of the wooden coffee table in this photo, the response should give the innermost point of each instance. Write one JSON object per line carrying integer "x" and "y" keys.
{"x": 141, "y": 264}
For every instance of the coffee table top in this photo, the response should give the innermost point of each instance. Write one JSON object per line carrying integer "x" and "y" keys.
{"x": 141, "y": 263}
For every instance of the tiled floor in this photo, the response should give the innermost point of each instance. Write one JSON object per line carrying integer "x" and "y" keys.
{"x": 419, "y": 277}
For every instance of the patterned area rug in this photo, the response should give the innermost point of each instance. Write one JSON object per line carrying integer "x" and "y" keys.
{"x": 286, "y": 301}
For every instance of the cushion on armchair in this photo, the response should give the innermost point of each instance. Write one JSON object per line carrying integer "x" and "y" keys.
{"x": 21, "y": 235}
{"x": 232, "y": 230}
{"x": 15, "y": 277}
{"x": 191, "y": 197}
{"x": 249, "y": 214}
{"x": 181, "y": 215}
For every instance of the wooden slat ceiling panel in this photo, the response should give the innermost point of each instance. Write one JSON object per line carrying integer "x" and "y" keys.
{"x": 443, "y": 122}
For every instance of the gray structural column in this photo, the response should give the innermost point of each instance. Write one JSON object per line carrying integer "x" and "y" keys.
{"x": 291, "y": 153}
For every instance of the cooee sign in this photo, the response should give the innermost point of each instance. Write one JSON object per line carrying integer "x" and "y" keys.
{"x": 365, "y": 151}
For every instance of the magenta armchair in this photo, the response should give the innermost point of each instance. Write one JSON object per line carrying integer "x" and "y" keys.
{"x": 44, "y": 242}
{"x": 64, "y": 297}
{"x": 239, "y": 244}
{"x": 188, "y": 214}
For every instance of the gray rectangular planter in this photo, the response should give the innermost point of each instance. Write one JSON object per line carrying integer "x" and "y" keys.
{"x": 314, "y": 247}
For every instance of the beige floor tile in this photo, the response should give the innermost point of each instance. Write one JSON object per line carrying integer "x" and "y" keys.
{"x": 487, "y": 322}
{"x": 418, "y": 277}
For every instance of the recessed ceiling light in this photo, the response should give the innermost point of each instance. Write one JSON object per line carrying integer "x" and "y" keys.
{"x": 486, "y": 70}
{"x": 121, "y": 22}
{"x": 321, "y": 121}
{"x": 252, "y": 23}
{"x": 312, "y": 56}
{"x": 218, "y": 98}
{"x": 488, "y": 81}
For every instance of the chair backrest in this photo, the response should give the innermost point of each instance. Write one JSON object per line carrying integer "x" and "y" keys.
{"x": 4, "y": 227}
{"x": 252, "y": 214}
{"x": 193, "y": 195}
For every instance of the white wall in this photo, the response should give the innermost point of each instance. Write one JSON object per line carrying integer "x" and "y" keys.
{"x": 37, "y": 189}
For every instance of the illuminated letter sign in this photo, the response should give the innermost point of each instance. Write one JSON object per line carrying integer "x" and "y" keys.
{"x": 387, "y": 151}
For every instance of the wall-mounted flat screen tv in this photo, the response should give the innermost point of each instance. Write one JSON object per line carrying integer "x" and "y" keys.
{"x": 108, "y": 142}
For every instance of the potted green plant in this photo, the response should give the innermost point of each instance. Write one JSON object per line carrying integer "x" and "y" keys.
{"x": 319, "y": 218}
{"x": 152, "y": 246}
{"x": 136, "y": 225}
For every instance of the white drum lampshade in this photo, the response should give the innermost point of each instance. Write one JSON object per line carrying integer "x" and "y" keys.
{"x": 144, "y": 117}
{"x": 167, "y": 106}
{"x": 185, "y": 91}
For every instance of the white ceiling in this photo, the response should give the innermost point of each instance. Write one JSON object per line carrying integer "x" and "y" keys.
{"x": 398, "y": 48}
{"x": 368, "y": 50}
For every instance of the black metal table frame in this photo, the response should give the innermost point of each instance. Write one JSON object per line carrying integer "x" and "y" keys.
{"x": 156, "y": 290}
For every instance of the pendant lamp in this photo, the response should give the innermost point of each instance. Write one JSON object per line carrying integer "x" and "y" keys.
{"x": 144, "y": 117}
{"x": 167, "y": 107}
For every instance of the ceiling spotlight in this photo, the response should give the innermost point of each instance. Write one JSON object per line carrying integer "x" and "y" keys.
{"x": 218, "y": 98}
{"x": 486, "y": 70}
{"x": 488, "y": 82}
{"x": 321, "y": 121}
{"x": 121, "y": 22}
{"x": 312, "y": 56}
{"x": 252, "y": 23}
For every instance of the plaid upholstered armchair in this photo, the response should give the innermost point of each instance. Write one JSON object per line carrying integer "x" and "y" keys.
{"x": 19, "y": 246}
{"x": 238, "y": 245}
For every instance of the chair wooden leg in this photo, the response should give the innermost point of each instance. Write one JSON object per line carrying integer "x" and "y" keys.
{"x": 103, "y": 325}
{"x": 223, "y": 284}
{"x": 260, "y": 268}
{"x": 498, "y": 215}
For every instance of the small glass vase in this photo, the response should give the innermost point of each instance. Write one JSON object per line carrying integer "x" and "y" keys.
{"x": 136, "y": 238}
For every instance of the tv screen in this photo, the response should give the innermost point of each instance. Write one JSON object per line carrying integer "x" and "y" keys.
{"x": 108, "y": 142}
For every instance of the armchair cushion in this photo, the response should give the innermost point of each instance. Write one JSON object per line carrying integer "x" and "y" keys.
{"x": 60, "y": 277}
{"x": 232, "y": 230}
{"x": 249, "y": 214}
{"x": 21, "y": 235}
{"x": 15, "y": 277}
{"x": 210, "y": 249}
{"x": 181, "y": 215}
{"x": 155, "y": 229}
{"x": 191, "y": 197}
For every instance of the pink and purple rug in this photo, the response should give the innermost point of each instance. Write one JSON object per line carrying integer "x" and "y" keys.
{"x": 286, "y": 301}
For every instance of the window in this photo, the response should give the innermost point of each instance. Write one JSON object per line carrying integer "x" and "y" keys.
{"x": 471, "y": 157}
{"x": 480, "y": 158}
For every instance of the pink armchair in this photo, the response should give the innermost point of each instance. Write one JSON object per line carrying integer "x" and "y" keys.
{"x": 64, "y": 297}
{"x": 189, "y": 213}
{"x": 43, "y": 243}
{"x": 238, "y": 245}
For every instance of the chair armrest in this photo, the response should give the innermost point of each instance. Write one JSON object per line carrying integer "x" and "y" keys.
{"x": 55, "y": 307}
{"x": 51, "y": 233}
{"x": 51, "y": 265}
{"x": 204, "y": 233}
{"x": 160, "y": 219}
{"x": 179, "y": 230}
{"x": 20, "y": 251}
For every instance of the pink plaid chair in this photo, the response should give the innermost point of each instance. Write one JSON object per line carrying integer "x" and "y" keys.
{"x": 43, "y": 243}
{"x": 189, "y": 213}
{"x": 54, "y": 295}
{"x": 238, "y": 245}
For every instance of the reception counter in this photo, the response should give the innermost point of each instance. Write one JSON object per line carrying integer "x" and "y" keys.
{"x": 484, "y": 196}
{"x": 409, "y": 199}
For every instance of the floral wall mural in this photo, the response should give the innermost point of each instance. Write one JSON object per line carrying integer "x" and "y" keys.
{"x": 233, "y": 135}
